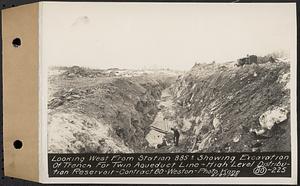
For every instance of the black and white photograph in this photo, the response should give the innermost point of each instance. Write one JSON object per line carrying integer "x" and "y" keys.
{"x": 169, "y": 90}
{"x": 152, "y": 81}
{"x": 150, "y": 92}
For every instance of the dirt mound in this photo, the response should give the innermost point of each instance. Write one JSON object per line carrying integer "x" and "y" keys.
{"x": 79, "y": 72}
{"x": 221, "y": 108}
{"x": 121, "y": 107}
{"x": 216, "y": 107}
{"x": 73, "y": 132}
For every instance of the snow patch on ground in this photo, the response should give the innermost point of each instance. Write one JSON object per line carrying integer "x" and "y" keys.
{"x": 271, "y": 117}
{"x": 77, "y": 133}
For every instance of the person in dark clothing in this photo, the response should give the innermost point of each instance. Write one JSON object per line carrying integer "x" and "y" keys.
{"x": 176, "y": 136}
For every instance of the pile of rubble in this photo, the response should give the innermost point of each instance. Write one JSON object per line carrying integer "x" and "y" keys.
{"x": 68, "y": 95}
{"x": 232, "y": 109}
{"x": 79, "y": 72}
{"x": 126, "y": 106}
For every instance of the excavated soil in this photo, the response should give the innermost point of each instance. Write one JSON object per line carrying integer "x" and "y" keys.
{"x": 224, "y": 106}
{"x": 103, "y": 112}
{"x": 216, "y": 108}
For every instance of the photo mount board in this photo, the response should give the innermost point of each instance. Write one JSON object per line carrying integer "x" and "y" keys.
{"x": 22, "y": 84}
{"x": 20, "y": 91}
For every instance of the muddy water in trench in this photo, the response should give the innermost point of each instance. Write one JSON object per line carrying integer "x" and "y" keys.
{"x": 163, "y": 119}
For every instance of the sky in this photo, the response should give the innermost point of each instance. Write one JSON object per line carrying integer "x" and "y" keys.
{"x": 162, "y": 35}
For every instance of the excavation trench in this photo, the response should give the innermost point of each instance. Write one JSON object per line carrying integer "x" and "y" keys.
{"x": 164, "y": 120}
{"x": 215, "y": 107}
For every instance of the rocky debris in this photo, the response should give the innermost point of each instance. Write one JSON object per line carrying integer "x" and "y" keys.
{"x": 257, "y": 144}
{"x": 216, "y": 123}
{"x": 186, "y": 125}
{"x": 204, "y": 143}
{"x": 55, "y": 102}
{"x": 282, "y": 59}
{"x": 284, "y": 79}
{"x": 261, "y": 133}
{"x": 238, "y": 102}
{"x": 67, "y": 95}
{"x": 255, "y": 149}
{"x": 163, "y": 144}
{"x": 128, "y": 105}
{"x": 236, "y": 138}
{"x": 79, "y": 72}
{"x": 217, "y": 107}
{"x": 275, "y": 57}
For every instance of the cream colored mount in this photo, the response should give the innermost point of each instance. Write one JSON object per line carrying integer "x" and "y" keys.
{"x": 21, "y": 108}
{"x": 20, "y": 91}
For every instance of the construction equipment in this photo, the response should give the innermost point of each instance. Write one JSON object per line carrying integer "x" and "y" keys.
{"x": 159, "y": 130}
{"x": 250, "y": 59}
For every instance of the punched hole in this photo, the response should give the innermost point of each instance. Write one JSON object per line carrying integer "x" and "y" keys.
{"x": 16, "y": 42}
{"x": 18, "y": 144}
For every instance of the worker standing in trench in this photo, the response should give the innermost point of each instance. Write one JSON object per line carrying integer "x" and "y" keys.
{"x": 176, "y": 136}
